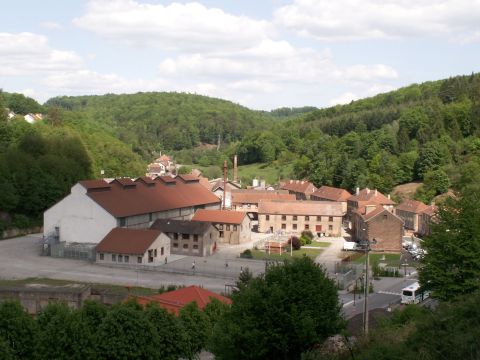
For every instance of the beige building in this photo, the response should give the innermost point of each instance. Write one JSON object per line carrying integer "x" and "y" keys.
{"x": 247, "y": 200}
{"x": 410, "y": 211}
{"x": 122, "y": 246}
{"x": 328, "y": 193}
{"x": 188, "y": 237}
{"x": 320, "y": 217}
{"x": 302, "y": 189}
{"x": 232, "y": 227}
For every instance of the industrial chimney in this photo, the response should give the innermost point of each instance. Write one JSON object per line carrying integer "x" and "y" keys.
{"x": 235, "y": 169}
{"x": 224, "y": 184}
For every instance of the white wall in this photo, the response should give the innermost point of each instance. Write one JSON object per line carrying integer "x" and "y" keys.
{"x": 79, "y": 218}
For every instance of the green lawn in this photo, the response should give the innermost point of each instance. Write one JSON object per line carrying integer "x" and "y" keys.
{"x": 321, "y": 244}
{"x": 261, "y": 255}
{"x": 390, "y": 259}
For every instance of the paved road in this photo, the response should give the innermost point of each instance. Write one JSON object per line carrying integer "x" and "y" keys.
{"x": 19, "y": 259}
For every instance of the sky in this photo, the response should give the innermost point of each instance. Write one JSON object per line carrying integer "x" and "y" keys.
{"x": 263, "y": 54}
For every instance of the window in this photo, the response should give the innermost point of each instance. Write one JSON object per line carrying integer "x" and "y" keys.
{"x": 175, "y": 245}
{"x": 294, "y": 226}
{"x": 161, "y": 251}
{"x": 284, "y": 217}
{"x": 294, "y": 217}
{"x": 127, "y": 258}
{"x": 101, "y": 256}
{"x": 150, "y": 217}
{"x": 284, "y": 226}
{"x": 228, "y": 227}
{"x": 185, "y": 246}
{"x": 220, "y": 234}
{"x": 114, "y": 257}
{"x": 210, "y": 235}
{"x": 319, "y": 218}
{"x": 121, "y": 222}
{"x": 330, "y": 227}
{"x": 385, "y": 216}
{"x": 234, "y": 227}
{"x": 220, "y": 226}
{"x": 307, "y": 218}
{"x": 307, "y": 227}
{"x": 120, "y": 258}
{"x": 330, "y": 218}
{"x": 185, "y": 236}
{"x": 139, "y": 259}
{"x": 175, "y": 236}
{"x": 195, "y": 238}
{"x": 155, "y": 252}
{"x": 195, "y": 247}
{"x": 267, "y": 217}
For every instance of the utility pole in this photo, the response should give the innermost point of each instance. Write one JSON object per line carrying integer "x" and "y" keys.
{"x": 367, "y": 249}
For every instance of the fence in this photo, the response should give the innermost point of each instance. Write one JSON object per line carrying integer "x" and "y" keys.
{"x": 73, "y": 251}
{"x": 347, "y": 274}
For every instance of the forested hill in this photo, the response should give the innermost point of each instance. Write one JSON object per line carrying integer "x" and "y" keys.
{"x": 155, "y": 121}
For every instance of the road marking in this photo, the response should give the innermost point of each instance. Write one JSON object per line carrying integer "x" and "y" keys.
{"x": 348, "y": 303}
{"x": 389, "y": 293}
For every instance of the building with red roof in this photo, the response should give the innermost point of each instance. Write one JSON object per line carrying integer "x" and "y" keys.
{"x": 367, "y": 197}
{"x": 94, "y": 207}
{"x": 302, "y": 189}
{"x": 409, "y": 211}
{"x": 174, "y": 301}
{"x": 328, "y": 193}
{"x": 427, "y": 216}
{"x": 133, "y": 246}
{"x": 375, "y": 222}
{"x": 232, "y": 227}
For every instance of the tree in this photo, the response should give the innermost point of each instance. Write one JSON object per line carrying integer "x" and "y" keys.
{"x": 295, "y": 242}
{"x": 195, "y": 325}
{"x": 126, "y": 333}
{"x": 279, "y": 315}
{"x": 451, "y": 267}
{"x": 184, "y": 170}
{"x": 18, "y": 329}
{"x": 172, "y": 338}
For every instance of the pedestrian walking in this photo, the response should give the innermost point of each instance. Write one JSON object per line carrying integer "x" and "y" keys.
{"x": 193, "y": 265}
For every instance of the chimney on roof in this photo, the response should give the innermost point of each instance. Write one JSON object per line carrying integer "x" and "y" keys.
{"x": 224, "y": 183}
{"x": 302, "y": 182}
{"x": 375, "y": 192}
{"x": 368, "y": 191}
{"x": 357, "y": 191}
{"x": 388, "y": 196}
{"x": 235, "y": 169}
{"x": 291, "y": 181}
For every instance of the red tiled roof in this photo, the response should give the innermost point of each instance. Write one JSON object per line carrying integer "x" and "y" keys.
{"x": 377, "y": 211}
{"x": 189, "y": 177}
{"x": 371, "y": 196}
{"x": 412, "y": 206}
{"x": 123, "y": 182}
{"x": 128, "y": 241}
{"x": 145, "y": 180}
{"x": 255, "y": 196}
{"x": 315, "y": 208}
{"x": 173, "y": 301}
{"x": 300, "y": 186}
{"x": 219, "y": 216}
{"x": 430, "y": 210}
{"x": 166, "y": 179}
{"x": 204, "y": 181}
{"x": 332, "y": 193}
{"x": 94, "y": 184}
{"x": 144, "y": 199}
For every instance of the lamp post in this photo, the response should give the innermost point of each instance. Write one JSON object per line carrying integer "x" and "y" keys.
{"x": 405, "y": 264}
{"x": 366, "y": 247}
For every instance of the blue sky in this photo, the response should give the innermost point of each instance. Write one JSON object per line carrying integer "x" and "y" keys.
{"x": 262, "y": 54}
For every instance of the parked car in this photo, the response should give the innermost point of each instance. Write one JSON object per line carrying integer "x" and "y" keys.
{"x": 349, "y": 246}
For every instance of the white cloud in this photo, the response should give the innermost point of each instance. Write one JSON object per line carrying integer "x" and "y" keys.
{"x": 50, "y": 25}
{"x": 374, "y": 19}
{"x": 349, "y": 96}
{"x": 27, "y": 54}
{"x": 189, "y": 27}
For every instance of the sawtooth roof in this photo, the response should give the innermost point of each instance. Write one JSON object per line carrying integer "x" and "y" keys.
{"x": 219, "y": 216}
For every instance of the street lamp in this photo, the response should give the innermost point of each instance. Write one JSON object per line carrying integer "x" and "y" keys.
{"x": 366, "y": 247}
{"x": 405, "y": 264}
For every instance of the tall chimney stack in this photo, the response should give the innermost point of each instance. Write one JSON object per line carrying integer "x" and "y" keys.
{"x": 235, "y": 169}
{"x": 224, "y": 183}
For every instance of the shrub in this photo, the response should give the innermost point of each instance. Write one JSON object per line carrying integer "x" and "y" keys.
{"x": 247, "y": 254}
{"x": 20, "y": 221}
{"x": 308, "y": 234}
{"x": 296, "y": 242}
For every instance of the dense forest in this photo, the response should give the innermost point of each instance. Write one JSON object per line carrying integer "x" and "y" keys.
{"x": 426, "y": 133}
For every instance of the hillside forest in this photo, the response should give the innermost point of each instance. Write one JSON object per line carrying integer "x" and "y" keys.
{"x": 427, "y": 133}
